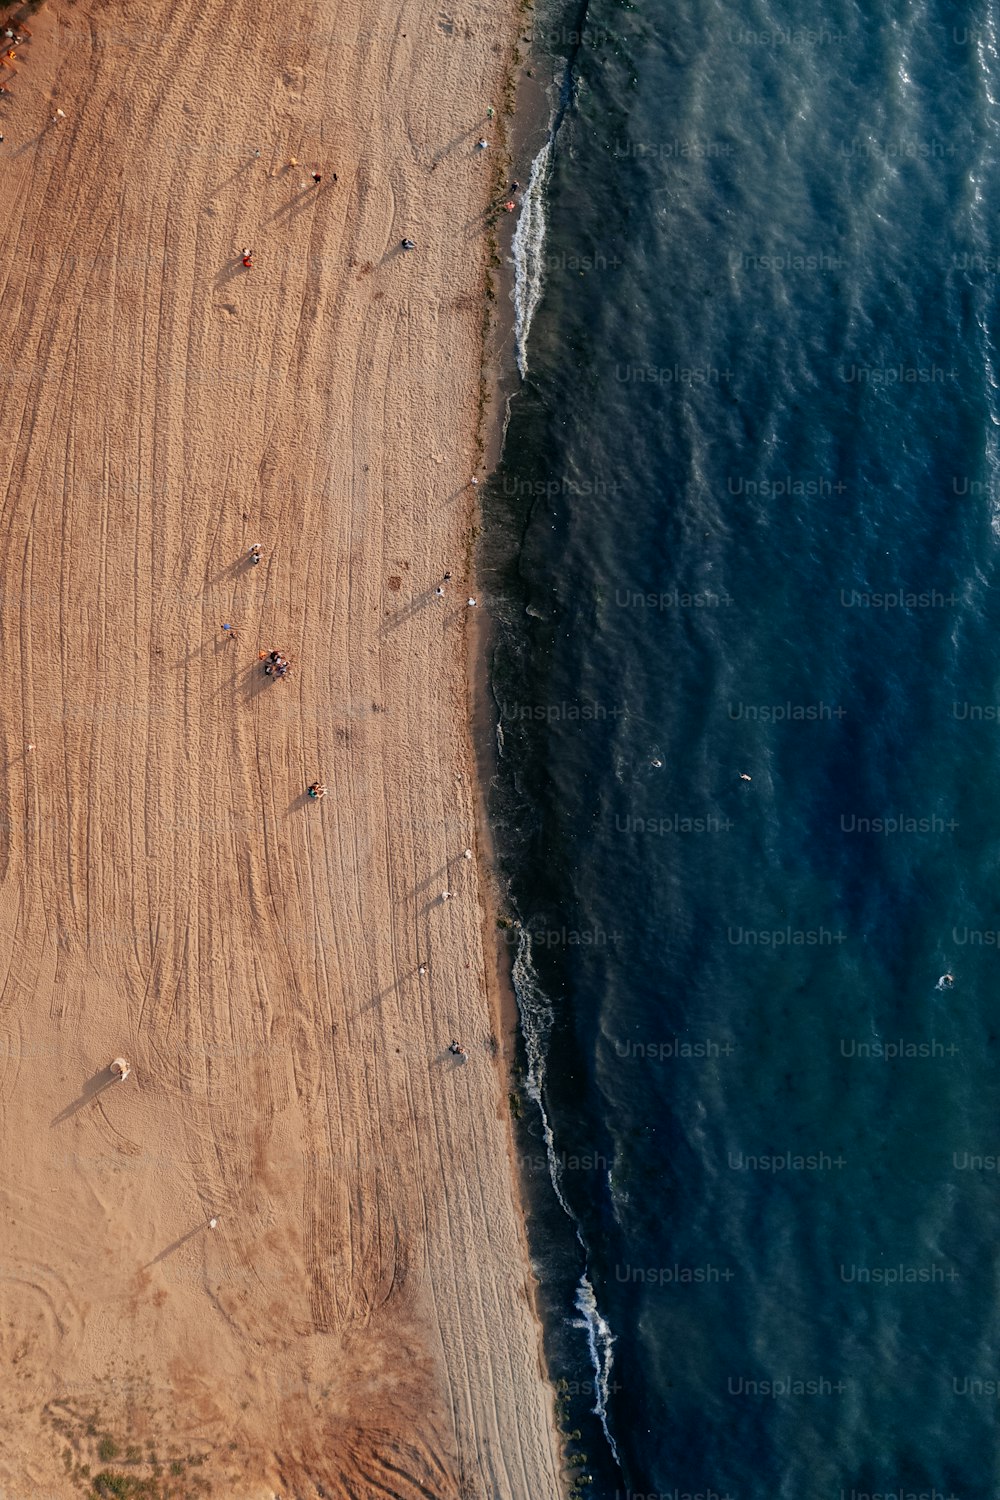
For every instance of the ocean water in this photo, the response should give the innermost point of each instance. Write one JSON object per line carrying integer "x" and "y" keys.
{"x": 746, "y": 524}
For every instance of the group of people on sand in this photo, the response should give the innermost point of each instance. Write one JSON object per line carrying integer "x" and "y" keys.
{"x": 10, "y": 41}
{"x": 275, "y": 665}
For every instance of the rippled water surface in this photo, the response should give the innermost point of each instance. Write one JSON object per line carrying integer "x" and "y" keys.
{"x": 746, "y": 526}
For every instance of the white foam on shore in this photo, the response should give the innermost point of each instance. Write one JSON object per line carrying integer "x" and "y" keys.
{"x": 600, "y": 1341}
{"x": 527, "y": 249}
{"x": 537, "y": 1018}
{"x": 536, "y": 1024}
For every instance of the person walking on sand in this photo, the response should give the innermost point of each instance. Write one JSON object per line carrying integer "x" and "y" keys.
{"x": 317, "y": 177}
{"x": 456, "y": 1049}
{"x": 317, "y": 791}
{"x": 229, "y": 631}
{"x": 255, "y": 553}
{"x": 248, "y": 259}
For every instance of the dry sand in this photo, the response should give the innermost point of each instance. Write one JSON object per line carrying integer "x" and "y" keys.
{"x": 359, "y": 1322}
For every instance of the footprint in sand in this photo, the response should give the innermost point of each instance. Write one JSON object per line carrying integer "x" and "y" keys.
{"x": 294, "y": 80}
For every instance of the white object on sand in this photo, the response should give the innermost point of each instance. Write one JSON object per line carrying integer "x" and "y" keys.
{"x": 468, "y": 854}
{"x": 120, "y": 1069}
{"x": 212, "y": 1223}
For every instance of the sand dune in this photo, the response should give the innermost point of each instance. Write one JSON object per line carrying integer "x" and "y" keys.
{"x": 359, "y": 1321}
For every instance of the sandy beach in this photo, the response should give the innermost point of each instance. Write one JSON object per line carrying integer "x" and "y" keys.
{"x": 283, "y": 975}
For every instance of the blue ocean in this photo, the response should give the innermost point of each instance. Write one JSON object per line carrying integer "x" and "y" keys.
{"x": 742, "y": 553}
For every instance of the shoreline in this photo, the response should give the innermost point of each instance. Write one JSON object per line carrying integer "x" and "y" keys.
{"x": 291, "y": 1248}
{"x": 528, "y": 124}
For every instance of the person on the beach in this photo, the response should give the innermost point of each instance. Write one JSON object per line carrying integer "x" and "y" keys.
{"x": 248, "y": 258}
{"x": 255, "y": 553}
{"x": 481, "y": 145}
{"x": 456, "y": 1049}
{"x": 317, "y": 178}
{"x": 408, "y": 244}
{"x": 447, "y": 576}
{"x": 229, "y": 631}
{"x": 515, "y": 187}
{"x": 317, "y": 791}
{"x": 439, "y": 591}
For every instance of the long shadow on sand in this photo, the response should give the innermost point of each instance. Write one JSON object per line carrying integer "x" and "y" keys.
{"x": 176, "y": 1245}
{"x": 230, "y": 271}
{"x": 417, "y": 603}
{"x": 295, "y": 206}
{"x": 95, "y": 1086}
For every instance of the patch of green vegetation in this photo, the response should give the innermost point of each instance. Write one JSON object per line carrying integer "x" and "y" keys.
{"x": 107, "y": 1449}
{"x": 109, "y": 1485}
